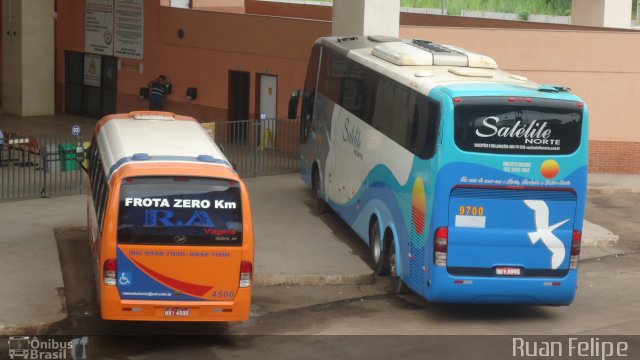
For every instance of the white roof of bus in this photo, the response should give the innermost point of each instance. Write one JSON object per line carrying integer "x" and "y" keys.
{"x": 402, "y": 62}
{"x": 162, "y": 137}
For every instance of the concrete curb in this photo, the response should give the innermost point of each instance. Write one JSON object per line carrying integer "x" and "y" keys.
{"x": 598, "y": 252}
{"x": 313, "y": 280}
{"x": 599, "y": 191}
{"x": 597, "y": 236}
{"x": 44, "y": 328}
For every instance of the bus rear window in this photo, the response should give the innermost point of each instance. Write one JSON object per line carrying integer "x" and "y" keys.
{"x": 501, "y": 125}
{"x": 180, "y": 211}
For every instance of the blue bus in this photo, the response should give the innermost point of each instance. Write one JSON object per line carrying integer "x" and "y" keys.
{"x": 468, "y": 183}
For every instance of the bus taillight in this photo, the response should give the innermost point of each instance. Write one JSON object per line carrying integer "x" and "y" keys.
{"x": 575, "y": 249}
{"x": 246, "y": 272}
{"x": 110, "y": 270}
{"x": 440, "y": 245}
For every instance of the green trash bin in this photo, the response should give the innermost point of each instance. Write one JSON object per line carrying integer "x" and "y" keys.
{"x": 68, "y": 157}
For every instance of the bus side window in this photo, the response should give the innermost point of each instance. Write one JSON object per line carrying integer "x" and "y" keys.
{"x": 93, "y": 162}
{"x": 414, "y": 140}
{"x": 352, "y": 95}
{"x": 98, "y": 183}
{"x": 103, "y": 190}
{"x": 370, "y": 84}
{"x": 383, "y": 112}
{"x": 426, "y": 118}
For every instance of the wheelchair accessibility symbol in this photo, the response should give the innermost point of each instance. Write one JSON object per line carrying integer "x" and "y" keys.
{"x": 124, "y": 279}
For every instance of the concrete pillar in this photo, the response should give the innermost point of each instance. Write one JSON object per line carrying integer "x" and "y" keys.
{"x": 28, "y": 57}
{"x": 603, "y": 13}
{"x": 366, "y": 17}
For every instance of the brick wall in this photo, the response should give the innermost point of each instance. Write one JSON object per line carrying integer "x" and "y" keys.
{"x": 127, "y": 103}
{"x": 615, "y": 157}
{"x": 315, "y": 12}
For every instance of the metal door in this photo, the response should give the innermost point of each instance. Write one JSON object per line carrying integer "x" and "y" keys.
{"x": 267, "y": 107}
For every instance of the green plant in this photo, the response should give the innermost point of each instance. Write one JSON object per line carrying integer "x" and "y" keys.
{"x": 455, "y": 7}
{"x": 520, "y": 7}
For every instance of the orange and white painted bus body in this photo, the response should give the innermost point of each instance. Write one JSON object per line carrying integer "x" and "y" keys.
{"x": 170, "y": 222}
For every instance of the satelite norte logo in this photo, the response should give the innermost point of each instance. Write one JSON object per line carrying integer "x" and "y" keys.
{"x": 536, "y": 132}
{"x": 26, "y": 347}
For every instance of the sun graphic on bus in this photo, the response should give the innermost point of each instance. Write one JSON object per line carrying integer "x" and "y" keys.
{"x": 418, "y": 206}
{"x": 550, "y": 169}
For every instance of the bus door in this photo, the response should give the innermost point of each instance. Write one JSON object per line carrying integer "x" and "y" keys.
{"x": 179, "y": 238}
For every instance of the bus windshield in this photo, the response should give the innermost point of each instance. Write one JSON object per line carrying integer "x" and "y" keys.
{"x": 502, "y": 125}
{"x": 180, "y": 211}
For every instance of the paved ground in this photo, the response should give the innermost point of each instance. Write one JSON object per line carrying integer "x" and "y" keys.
{"x": 33, "y": 297}
{"x": 292, "y": 246}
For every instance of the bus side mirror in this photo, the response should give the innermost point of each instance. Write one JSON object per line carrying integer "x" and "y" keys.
{"x": 293, "y": 105}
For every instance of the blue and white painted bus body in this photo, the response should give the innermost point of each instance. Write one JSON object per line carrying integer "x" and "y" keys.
{"x": 499, "y": 177}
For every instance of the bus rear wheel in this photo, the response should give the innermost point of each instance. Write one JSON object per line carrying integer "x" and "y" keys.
{"x": 397, "y": 285}
{"x": 379, "y": 254}
{"x": 321, "y": 205}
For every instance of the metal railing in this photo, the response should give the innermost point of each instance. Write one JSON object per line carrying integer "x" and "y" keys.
{"x": 39, "y": 166}
{"x": 259, "y": 147}
{"x": 43, "y": 166}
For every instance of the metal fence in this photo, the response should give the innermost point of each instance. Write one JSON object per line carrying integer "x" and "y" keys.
{"x": 259, "y": 147}
{"x": 39, "y": 166}
{"x": 42, "y": 166}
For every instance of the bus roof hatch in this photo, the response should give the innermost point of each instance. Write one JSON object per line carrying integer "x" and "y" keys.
{"x": 426, "y": 53}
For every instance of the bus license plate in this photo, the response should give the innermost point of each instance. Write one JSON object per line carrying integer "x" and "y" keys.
{"x": 177, "y": 312}
{"x": 508, "y": 271}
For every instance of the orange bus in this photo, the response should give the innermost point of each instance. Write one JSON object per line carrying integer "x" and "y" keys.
{"x": 170, "y": 222}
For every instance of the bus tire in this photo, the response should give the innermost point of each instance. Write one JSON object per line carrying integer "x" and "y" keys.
{"x": 379, "y": 253}
{"x": 398, "y": 286}
{"x": 321, "y": 205}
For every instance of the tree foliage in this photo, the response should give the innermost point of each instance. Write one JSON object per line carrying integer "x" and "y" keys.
{"x": 455, "y": 7}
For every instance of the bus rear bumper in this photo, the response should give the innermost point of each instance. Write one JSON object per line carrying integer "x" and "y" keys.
{"x": 502, "y": 290}
{"x": 180, "y": 311}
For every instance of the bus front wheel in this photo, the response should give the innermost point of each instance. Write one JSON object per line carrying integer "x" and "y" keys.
{"x": 321, "y": 205}
{"x": 379, "y": 254}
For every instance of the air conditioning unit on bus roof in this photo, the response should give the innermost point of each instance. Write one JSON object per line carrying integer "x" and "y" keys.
{"x": 426, "y": 53}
